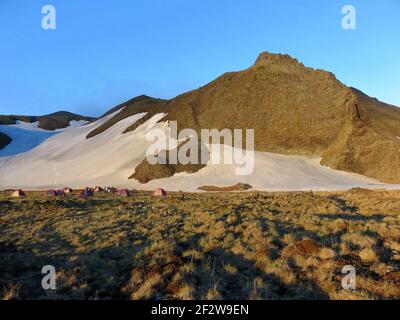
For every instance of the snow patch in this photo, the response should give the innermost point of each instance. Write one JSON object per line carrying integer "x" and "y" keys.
{"x": 68, "y": 158}
{"x": 26, "y": 136}
{"x": 272, "y": 172}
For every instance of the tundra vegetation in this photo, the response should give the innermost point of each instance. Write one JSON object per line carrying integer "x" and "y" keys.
{"x": 239, "y": 245}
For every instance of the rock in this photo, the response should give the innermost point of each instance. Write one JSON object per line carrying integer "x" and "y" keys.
{"x": 303, "y": 248}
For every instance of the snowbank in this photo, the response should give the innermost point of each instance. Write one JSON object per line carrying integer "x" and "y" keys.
{"x": 26, "y": 136}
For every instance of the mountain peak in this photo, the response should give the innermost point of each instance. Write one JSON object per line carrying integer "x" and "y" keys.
{"x": 60, "y": 113}
{"x": 276, "y": 59}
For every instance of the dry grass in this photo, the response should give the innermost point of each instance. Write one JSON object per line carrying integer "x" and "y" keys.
{"x": 249, "y": 245}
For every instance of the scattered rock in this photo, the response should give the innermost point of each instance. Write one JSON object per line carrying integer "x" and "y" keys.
{"x": 360, "y": 191}
{"x": 236, "y": 187}
{"x": 303, "y": 248}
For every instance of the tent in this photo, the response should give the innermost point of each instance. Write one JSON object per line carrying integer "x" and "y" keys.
{"x": 54, "y": 193}
{"x": 67, "y": 190}
{"x": 86, "y": 193}
{"x": 124, "y": 193}
{"x": 98, "y": 189}
{"x": 18, "y": 194}
{"x": 159, "y": 192}
{"x": 60, "y": 193}
{"x": 51, "y": 193}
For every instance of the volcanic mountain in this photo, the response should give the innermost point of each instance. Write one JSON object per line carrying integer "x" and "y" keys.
{"x": 304, "y": 121}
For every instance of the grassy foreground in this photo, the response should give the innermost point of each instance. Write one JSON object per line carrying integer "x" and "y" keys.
{"x": 250, "y": 245}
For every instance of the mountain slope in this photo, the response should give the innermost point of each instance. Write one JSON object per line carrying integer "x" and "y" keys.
{"x": 134, "y": 106}
{"x": 50, "y": 122}
{"x": 24, "y": 136}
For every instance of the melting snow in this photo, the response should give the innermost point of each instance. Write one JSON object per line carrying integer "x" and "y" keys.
{"x": 26, "y": 136}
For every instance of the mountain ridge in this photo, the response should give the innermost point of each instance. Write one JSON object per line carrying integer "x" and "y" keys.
{"x": 52, "y": 121}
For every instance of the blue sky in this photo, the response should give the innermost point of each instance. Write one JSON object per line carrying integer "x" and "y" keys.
{"x": 104, "y": 52}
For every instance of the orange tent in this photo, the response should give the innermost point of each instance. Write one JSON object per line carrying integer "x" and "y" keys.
{"x": 18, "y": 194}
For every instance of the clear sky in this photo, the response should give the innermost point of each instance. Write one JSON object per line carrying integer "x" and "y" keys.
{"x": 106, "y": 51}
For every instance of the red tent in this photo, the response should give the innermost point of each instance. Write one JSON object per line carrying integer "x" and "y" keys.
{"x": 159, "y": 192}
{"x": 86, "y": 193}
{"x": 124, "y": 193}
{"x": 18, "y": 194}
